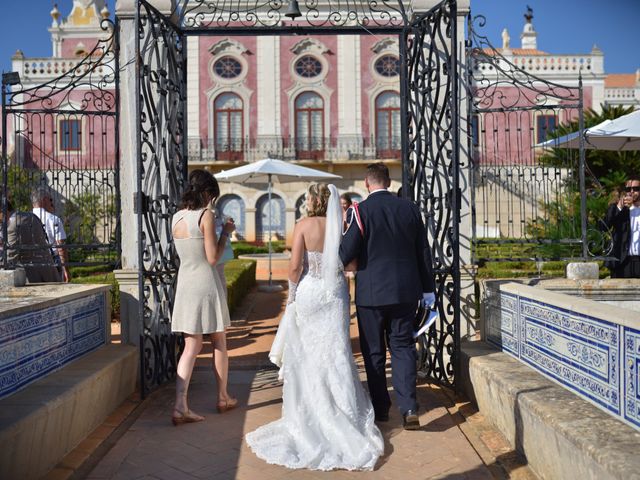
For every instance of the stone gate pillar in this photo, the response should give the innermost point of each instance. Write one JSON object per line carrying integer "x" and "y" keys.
{"x": 129, "y": 273}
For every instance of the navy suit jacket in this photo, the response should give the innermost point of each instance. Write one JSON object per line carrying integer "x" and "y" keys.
{"x": 394, "y": 260}
{"x": 620, "y": 221}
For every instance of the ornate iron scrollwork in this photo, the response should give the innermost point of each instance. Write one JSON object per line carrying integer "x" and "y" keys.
{"x": 64, "y": 136}
{"x": 430, "y": 144}
{"x": 524, "y": 194}
{"x": 207, "y": 14}
{"x": 432, "y": 165}
{"x": 162, "y": 171}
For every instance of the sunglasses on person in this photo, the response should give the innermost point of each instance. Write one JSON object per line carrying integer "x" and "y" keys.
{"x": 632, "y": 189}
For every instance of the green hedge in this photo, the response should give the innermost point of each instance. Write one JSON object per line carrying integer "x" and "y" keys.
{"x": 244, "y": 248}
{"x": 241, "y": 277}
{"x": 527, "y": 269}
{"x": 107, "y": 278}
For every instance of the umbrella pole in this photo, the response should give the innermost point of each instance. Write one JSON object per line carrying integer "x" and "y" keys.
{"x": 270, "y": 220}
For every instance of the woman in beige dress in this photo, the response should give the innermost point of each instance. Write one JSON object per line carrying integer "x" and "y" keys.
{"x": 200, "y": 307}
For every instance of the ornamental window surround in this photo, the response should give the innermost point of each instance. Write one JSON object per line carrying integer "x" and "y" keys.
{"x": 309, "y": 126}
{"x": 227, "y": 99}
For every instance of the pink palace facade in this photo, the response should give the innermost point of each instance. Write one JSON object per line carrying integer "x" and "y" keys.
{"x": 327, "y": 101}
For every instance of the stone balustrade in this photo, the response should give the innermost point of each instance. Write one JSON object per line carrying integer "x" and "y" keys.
{"x": 547, "y": 64}
{"x": 39, "y": 70}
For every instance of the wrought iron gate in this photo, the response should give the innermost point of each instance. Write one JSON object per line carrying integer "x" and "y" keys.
{"x": 162, "y": 171}
{"x": 432, "y": 164}
{"x": 430, "y": 143}
{"x": 62, "y": 137}
{"x": 529, "y": 202}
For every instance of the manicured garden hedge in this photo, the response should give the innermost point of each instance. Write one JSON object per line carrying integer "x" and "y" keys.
{"x": 500, "y": 267}
{"x": 243, "y": 248}
{"x": 241, "y": 277}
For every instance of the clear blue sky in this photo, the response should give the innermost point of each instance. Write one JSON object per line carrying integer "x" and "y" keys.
{"x": 571, "y": 26}
{"x": 564, "y": 26}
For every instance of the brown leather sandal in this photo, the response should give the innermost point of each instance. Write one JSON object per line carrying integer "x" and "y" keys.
{"x": 226, "y": 405}
{"x": 185, "y": 417}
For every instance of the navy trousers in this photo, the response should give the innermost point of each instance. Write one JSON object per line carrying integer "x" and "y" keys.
{"x": 390, "y": 325}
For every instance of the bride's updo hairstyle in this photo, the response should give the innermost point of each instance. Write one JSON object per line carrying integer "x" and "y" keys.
{"x": 201, "y": 189}
{"x": 319, "y": 193}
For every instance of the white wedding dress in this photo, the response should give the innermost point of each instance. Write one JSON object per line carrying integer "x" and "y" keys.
{"x": 327, "y": 418}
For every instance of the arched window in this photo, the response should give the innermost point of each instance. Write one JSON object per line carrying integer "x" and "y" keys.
{"x": 309, "y": 112}
{"x": 228, "y": 127}
{"x": 270, "y": 215}
{"x": 233, "y": 206}
{"x": 388, "y": 143}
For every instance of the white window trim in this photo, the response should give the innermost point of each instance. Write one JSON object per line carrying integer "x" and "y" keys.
{"x": 375, "y": 120}
{"x": 373, "y": 94}
{"x": 314, "y": 48}
{"x": 535, "y": 125}
{"x": 71, "y": 107}
{"x": 324, "y": 92}
{"x": 228, "y": 48}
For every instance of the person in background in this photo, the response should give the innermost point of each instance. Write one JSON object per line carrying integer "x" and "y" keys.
{"x": 27, "y": 247}
{"x": 227, "y": 254}
{"x": 623, "y": 218}
{"x": 345, "y": 203}
{"x": 43, "y": 208}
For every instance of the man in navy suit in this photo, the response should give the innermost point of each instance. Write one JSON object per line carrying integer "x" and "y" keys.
{"x": 393, "y": 273}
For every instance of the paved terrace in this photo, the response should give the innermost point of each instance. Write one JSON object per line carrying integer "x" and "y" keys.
{"x": 139, "y": 441}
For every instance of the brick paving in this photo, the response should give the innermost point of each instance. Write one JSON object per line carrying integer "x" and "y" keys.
{"x": 139, "y": 441}
{"x": 153, "y": 448}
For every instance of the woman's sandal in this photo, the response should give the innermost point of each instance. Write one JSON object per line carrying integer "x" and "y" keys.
{"x": 185, "y": 417}
{"x": 226, "y": 405}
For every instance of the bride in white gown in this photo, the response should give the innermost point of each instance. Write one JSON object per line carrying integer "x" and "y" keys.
{"x": 327, "y": 418}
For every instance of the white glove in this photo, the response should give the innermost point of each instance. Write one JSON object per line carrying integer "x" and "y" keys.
{"x": 428, "y": 299}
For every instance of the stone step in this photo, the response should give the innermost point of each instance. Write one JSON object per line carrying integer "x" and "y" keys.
{"x": 561, "y": 435}
{"x": 41, "y": 423}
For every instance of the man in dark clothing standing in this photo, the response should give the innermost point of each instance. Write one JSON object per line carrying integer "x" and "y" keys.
{"x": 623, "y": 218}
{"x": 27, "y": 246}
{"x": 387, "y": 237}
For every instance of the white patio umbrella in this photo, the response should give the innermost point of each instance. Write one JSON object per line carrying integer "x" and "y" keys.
{"x": 269, "y": 171}
{"x": 620, "y": 134}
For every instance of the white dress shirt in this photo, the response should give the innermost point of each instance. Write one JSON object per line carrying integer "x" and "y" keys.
{"x": 634, "y": 234}
{"x": 52, "y": 225}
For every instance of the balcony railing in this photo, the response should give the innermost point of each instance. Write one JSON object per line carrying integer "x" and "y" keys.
{"x": 43, "y": 69}
{"x": 331, "y": 149}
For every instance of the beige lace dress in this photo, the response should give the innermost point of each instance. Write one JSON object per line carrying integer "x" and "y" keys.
{"x": 200, "y": 306}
